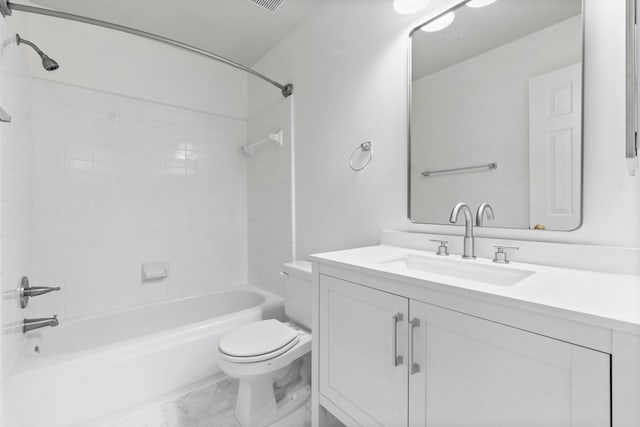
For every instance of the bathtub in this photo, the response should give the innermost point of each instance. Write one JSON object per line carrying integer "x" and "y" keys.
{"x": 92, "y": 368}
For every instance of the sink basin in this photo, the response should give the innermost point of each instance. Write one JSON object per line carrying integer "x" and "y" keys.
{"x": 460, "y": 269}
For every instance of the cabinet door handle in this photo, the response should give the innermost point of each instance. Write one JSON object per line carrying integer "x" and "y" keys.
{"x": 415, "y": 367}
{"x": 397, "y": 359}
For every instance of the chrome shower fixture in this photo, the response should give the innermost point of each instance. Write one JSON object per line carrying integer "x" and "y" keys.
{"x": 47, "y": 63}
{"x": 7, "y": 8}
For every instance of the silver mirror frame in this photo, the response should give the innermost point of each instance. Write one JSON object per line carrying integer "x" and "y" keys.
{"x": 631, "y": 146}
{"x": 636, "y": 41}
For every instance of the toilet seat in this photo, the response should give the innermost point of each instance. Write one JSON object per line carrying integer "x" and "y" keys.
{"x": 258, "y": 341}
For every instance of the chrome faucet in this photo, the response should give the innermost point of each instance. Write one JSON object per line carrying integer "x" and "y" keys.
{"x": 31, "y": 324}
{"x": 27, "y": 291}
{"x": 485, "y": 207}
{"x": 468, "y": 227}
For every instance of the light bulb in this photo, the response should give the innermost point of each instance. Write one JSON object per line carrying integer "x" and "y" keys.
{"x": 409, "y": 6}
{"x": 439, "y": 24}
{"x": 480, "y": 3}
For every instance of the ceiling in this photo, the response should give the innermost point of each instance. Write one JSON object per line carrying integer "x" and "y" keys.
{"x": 479, "y": 30}
{"x": 236, "y": 29}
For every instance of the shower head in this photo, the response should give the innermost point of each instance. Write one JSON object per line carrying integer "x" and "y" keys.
{"x": 47, "y": 63}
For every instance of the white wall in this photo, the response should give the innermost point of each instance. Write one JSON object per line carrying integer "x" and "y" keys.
{"x": 349, "y": 64}
{"x": 16, "y": 188}
{"x": 270, "y": 197}
{"x": 120, "y": 63}
{"x": 489, "y": 94}
{"x": 121, "y": 181}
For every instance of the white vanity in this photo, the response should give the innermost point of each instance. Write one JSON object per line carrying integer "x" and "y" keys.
{"x": 408, "y": 338}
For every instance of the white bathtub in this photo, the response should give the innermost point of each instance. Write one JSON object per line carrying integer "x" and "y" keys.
{"x": 97, "y": 366}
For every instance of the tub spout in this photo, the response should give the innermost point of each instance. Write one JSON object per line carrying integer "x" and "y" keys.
{"x": 31, "y": 324}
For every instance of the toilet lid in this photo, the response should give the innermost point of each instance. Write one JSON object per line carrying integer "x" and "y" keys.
{"x": 260, "y": 338}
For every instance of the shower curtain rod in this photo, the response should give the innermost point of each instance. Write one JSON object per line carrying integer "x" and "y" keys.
{"x": 7, "y": 7}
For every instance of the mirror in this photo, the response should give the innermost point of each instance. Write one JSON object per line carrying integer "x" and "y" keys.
{"x": 496, "y": 113}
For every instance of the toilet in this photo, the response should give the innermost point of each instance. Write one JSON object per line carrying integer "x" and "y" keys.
{"x": 270, "y": 358}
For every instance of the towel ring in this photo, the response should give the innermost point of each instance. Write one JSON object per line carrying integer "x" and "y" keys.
{"x": 366, "y": 148}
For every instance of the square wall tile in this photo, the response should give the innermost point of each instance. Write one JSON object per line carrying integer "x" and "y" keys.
{"x": 121, "y": 181}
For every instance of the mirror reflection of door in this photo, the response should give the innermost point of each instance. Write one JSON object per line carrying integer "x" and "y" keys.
{"x": 472, "y": 104}
{"x": 555, "y": 136}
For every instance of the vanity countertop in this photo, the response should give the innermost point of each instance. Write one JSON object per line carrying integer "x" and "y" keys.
{"x": 602, "y": 299}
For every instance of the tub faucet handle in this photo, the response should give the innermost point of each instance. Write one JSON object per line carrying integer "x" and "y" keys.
{"x": 27, "y": 291}
{"x": 34, "y": 291}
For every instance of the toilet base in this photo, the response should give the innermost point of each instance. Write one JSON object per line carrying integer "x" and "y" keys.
{"x": 256, "y": 403}
{"x": 291, "y": 411}
{"x": 268, "y": 412}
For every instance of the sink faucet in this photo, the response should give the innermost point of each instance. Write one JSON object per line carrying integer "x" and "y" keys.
{"x": 31, "y": 324}
{"x": 468, "y": 227}
{"x": 482, "y": 209}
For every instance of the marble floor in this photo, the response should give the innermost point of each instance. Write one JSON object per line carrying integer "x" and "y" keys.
{"x": 206, "y": 405}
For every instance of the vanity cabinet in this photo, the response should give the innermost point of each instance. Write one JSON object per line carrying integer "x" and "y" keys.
{"x": 388, "y": 360}
{"x": 474, "y": 372}
{"x": 363, "y": 343}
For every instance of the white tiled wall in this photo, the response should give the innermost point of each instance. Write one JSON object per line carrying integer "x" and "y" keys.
{"x": 270, "y": 197}
{"x": 119, "y": 181}
{"x": 16, "y": 191}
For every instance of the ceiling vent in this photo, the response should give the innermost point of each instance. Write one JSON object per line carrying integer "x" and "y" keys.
{"x": 270, "y": 5}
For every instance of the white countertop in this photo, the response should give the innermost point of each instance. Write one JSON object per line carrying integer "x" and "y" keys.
{"x": 603, "y": 299}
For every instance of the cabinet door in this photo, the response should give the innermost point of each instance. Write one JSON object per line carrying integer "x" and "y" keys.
{"x": 473, "y": 372}
{"x": 363, "y": 348}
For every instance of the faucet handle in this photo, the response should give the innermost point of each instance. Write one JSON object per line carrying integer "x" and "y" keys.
{"x": 27, "y": 291}
{"x": 442, "y": 249}
{"x": 500, "y": 256}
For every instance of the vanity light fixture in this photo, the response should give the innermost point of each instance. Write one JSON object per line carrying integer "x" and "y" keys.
{"x": 409, "y": 6}
{"x": 480, "y": 3}
{"x": 439, "y": 24}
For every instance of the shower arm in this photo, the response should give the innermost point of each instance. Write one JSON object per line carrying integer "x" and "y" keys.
{"x": 20, "y": 40}
{"x": 7, "y": 7}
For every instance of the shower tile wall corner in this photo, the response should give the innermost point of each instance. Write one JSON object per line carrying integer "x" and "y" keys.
{"x": 16, "y": 194}
{"x": 270, "y": 197}
{"x": 120, "y": 181}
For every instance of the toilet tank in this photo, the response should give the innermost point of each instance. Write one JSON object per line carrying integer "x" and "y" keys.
{"x": 297, "y": 291}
